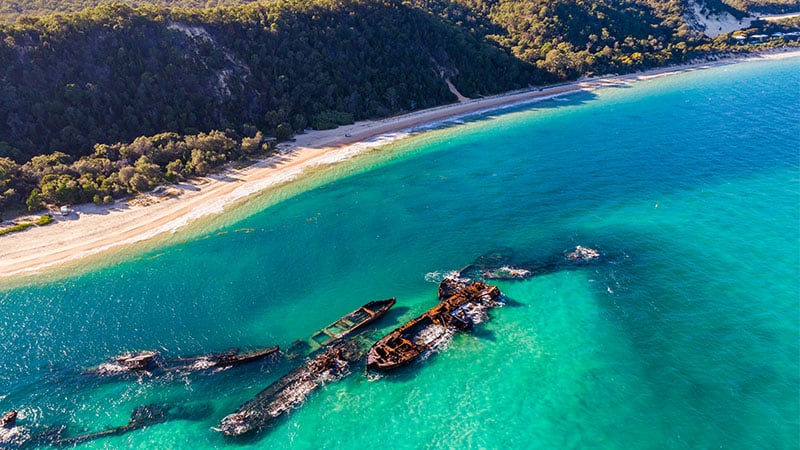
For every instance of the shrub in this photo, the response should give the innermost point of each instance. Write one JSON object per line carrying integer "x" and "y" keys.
{"x": 44, "y": 220}
{"x": 41, "y": 221}
{"x": 34, "y": 201}
{"x": 15, "y": 228}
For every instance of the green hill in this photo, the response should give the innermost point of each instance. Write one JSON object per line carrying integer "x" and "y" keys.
{"x": 114, "y": 99}
{"x": 571, "y": 37}
{"x": 112, "y": 73}
{"x": 765, "y": 6}
{"x": 11, "y": 10}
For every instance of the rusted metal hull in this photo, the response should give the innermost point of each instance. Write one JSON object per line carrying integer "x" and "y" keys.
{"x": 339, "y": 349}
{"x": 150, "y": 363}
{"x": 408, "y": 342}
{"x": 291, "y": 390}
{"x": 11, "y": 436}
{"x": 344, "y": 327}
{"x": 219, "y": 361}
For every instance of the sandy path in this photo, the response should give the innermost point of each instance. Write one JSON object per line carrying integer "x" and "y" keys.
{"x": 98, "y": 229}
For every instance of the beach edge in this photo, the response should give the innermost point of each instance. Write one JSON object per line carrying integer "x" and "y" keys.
{"x": 97, "y": 230}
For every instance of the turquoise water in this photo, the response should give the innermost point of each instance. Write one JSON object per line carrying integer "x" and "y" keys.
{"x": 687, "y": 335}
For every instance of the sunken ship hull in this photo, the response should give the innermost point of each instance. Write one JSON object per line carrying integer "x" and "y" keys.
{"x": 339, "y": 350}
{"x": 291, "y": 390}
{"x": 498, "y": 265}
{"x": 344, "y": 327}
{"x": 462, "y": 302}
{"x": 151, "y": 363}
{"x": 231, "y": 358}
{"x": 141, "y": 417}
{"x": 11, "y": 436}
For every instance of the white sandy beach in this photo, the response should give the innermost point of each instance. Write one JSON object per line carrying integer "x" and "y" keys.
{"x": 94, "y": 230}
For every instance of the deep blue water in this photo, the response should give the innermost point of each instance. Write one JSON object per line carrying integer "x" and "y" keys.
{"x": 686, "y": 335}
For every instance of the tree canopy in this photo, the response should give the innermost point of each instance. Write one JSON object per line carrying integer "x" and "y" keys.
{"x": 113, "y": 73}
{"x": 113, "y": 99}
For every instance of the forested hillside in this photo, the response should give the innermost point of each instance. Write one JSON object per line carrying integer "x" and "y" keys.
{"x": 150, "y": 91}
{"x": 10, "y": 10}
{"x": 568, "y": 38}
{"x": 765, "y": 6}
{"x": 113, "y": 73}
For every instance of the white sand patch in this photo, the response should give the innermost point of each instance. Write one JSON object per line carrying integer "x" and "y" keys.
{"x": 222, "y": 76}
{"x": 778, "y": 17}
{"x": 713, "y": 24}
{"x": 455, "y": 92}
{"x": 191, "y": 31}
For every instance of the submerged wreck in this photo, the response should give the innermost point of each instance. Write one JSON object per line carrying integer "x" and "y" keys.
{"x": 291, "y": 390}
{"x": 11, "y": 434}
{"x": 150, "y": 363}
{"x": 499, "y": 265}
{"x": 463, "y": 304}
{"x": 582, "y": 254}
{"x": 141, "y": 417}
{"x": 346, "y": 326}
{"x": 8, "y": 421}
{"x": 336, "y": 350}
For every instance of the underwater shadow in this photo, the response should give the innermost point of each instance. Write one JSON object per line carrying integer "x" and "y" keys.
{"x": 141, "y": 417}
{"x": 548, "y": 103}
{"x": 483, "y": 334}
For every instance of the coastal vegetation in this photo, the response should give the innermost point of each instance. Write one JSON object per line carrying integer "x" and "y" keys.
{"x": 112, "y": 73}
{"x": 118, "y": 170}
{"x": 43, "y": 220}
{"x": 11, "y": 10}
{"x": 114, "y": 100}
{"x": 762, "y": 6}
{"x": 570, "y": 38}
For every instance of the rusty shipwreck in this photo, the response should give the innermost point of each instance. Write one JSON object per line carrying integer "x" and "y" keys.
{"x": 463, "y": 303}
{"x": 292, "y": 389}
{"x": 501, "y": 264}
{"x": 151, "y": 363}
{"x": 346, "y": 326}
{"x": 334, "y": 349}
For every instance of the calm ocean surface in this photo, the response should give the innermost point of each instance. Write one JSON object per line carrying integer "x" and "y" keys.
{"x": 687, "y": 335}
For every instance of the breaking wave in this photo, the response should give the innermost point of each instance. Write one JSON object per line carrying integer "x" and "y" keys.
{"x": 436, "y": 338}
{"x": 438, "y": 277}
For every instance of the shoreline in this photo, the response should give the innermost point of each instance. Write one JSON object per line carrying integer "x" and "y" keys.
{"x": 96, "y": 230}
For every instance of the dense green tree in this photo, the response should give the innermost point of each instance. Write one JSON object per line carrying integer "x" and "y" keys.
{"x": 61, "y": 189}
{"x": 34, "y": 200}
{"x": 283, "y": 132}
{"x": 114, "y": 100}
{"x": 139, "y": 183}
{"x": 10, "y": 175}
{"x": 251, "y": 145}
{"x": 112, "y": 73}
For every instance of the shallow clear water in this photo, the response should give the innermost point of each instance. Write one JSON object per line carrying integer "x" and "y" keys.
{"x": 685, "y": 336}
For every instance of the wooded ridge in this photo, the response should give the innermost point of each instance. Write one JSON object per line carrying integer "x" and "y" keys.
{"x": 95, "y": 98}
